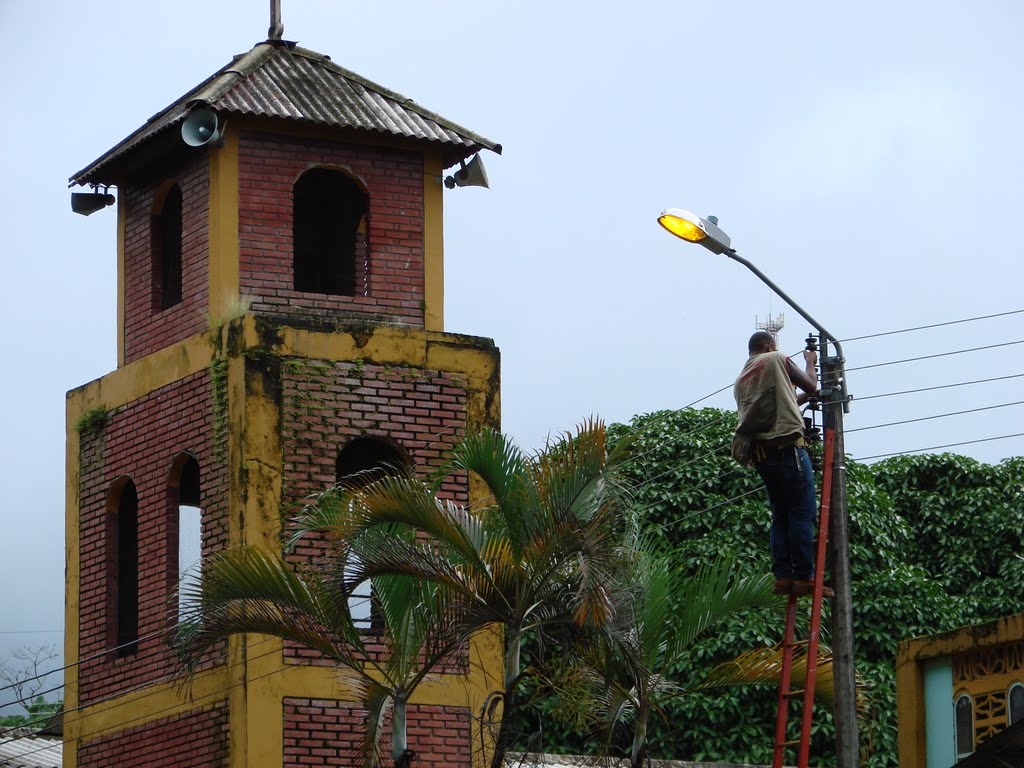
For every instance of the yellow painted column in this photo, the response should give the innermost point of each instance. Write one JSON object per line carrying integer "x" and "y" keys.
{"x": 223, "y": 228}
{"x": 73, "y": 567}
{"x": 910, "y": 732}
{"x": 433, "y": 242}
{"x": 256, "y": 460}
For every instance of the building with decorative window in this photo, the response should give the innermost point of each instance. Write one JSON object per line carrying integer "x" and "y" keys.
{"x": 280, "y": 325}
{"x": 958, "y": 690}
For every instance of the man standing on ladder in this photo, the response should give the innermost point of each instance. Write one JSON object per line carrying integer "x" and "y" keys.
{"x": 771, "y": 425}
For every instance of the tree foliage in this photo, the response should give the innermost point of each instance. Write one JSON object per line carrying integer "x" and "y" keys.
{"x": 936, "y": 543}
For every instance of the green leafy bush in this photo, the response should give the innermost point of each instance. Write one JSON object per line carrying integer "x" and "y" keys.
{"x": 936, "y": 544}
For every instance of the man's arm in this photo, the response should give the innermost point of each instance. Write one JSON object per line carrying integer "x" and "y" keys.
{"x": 807, "y": 379}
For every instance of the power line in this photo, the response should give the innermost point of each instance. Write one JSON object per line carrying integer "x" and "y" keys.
{"x": 937, "y": 416}
{"x": 98, "y": 654}
{"x": 688, "y": 516}
{"x": 940, "y": 354}
{"x": 933, "y": 325}
{"x": 148, "y": 717}
{"x": 152, "y": 684}
{"x": 28, "y": 632}
{"x": 929, "y": 389}
{"x": 936, "y": 447}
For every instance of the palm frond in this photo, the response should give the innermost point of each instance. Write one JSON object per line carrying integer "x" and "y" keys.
{"x": 714, "y": 594}
{"x": 763, "y": 666}
{"x": 245, "y": 589}
{"x": 504, "y": 470}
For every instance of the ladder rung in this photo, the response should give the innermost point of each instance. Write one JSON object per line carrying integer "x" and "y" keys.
{"x": 795, "y": 693}
{"x": 795, "y": 643}
{"x": 793, "y": 743}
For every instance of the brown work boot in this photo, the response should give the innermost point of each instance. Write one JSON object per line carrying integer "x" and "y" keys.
{"x": 783, "y": 586}
{"x": 806, "y": 587}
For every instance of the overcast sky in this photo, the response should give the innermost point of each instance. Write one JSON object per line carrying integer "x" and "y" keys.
{"x": 868, "y": 157}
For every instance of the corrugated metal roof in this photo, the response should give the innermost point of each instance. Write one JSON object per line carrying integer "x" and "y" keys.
{"x": 23, "y": 751}
{"x": 281, "y": 80}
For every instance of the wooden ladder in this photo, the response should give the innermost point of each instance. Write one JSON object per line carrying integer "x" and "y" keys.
{"x": 786, "y": 693}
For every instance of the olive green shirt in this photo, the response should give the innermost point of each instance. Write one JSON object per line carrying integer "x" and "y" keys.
{"x": 766, "y": 401}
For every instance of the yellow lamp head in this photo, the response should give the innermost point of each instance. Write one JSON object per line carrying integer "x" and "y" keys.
{"x": 683, "y": 224}
{"x": 692, "y": 228}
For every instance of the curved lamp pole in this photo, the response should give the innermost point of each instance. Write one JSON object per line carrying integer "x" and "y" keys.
{"x": 706, "y": 232}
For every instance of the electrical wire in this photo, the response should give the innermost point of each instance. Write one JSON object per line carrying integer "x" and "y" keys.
{"x": 107, "y": 651}
{"x": 933, "y": 325}
{"x": 936, "y": 447}
{"x": 669, "y": 413}
{"x": 150, "y": 684}
{"x": 940, "y": 354}
{"x": 149, "y": 716}
{"x": 928, "y": 389}
{"x": 28, "y": 632}
{"x": 937, "y": 416}
{"x": 682, "y": 518}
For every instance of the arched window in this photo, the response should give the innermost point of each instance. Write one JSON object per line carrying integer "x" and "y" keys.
{"x": 964, "y": 713}
{"x": 1015, "y": 703}
{"x": 329, "y": 231}
{"x": 167, "y": 250}
{"x": 185, "y": 502}
{"x": 365, "y": 454}
{"x": 356, "y": 464}
{"x": 124, "y": 550}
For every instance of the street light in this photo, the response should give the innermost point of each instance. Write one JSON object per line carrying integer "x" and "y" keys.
{"x": 706, "y": 232}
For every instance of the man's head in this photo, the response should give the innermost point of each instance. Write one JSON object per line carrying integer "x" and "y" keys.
{"x": 761, "y": 341}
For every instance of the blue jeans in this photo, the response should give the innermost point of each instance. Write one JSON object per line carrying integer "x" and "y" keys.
{"x": 789, "y": 480}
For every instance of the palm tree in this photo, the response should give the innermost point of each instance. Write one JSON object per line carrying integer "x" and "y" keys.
{"x": 245, "y": 589}
{"x": 543, "y": 548}
{"x": 623, "y": 679}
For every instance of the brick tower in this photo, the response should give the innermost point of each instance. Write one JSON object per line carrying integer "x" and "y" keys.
{"x": 280, "y": 323}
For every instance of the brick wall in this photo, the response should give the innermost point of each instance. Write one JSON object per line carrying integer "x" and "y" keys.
{"x": 147, "y": 327}
{"x": 326, "y": 404}
{"x": 197, "y": 739}
{"x": 268, "y": 168}
{"x": 142, "y": 441}
{"x": 325, "y": 732}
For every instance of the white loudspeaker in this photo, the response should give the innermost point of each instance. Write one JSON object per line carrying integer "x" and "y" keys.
{"x": 471, "y": 175}
{"x": 201, "y": 127}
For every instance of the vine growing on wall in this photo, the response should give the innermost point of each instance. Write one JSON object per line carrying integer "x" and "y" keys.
{"x": 219, "y": 397}
{"x": 91, "y": 426}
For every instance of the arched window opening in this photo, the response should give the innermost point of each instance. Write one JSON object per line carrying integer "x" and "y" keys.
{"x": 125, "y": 550}
{"x": 190, "y": 532}
{"x": 1015, "y": 703}
{"x": 329, "y": 232}
{"x": 366, "y": 458}
{"x": 167, "y": 250}
{"x": 964, "y": 713}
{"x": 359, "y": 463}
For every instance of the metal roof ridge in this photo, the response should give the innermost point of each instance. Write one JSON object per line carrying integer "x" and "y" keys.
{"x": 241, "y": 67}
{"x": 405, "y": 101}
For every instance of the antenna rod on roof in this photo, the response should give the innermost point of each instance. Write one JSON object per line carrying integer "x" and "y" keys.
{"x": 276, "y": 31}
